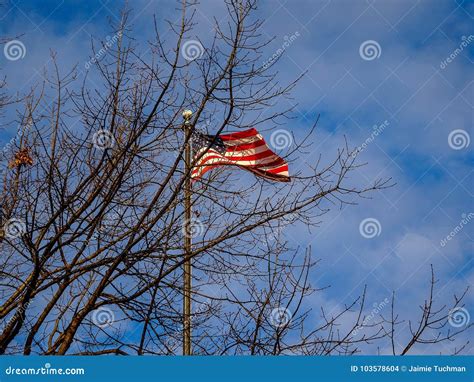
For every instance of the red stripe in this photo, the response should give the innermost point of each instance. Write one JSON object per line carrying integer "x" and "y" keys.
{"x": 239, "y": 134}
{"x": 283, "y": 166}
{"x": 208, "y": 155}
{"x": 208, "y": 168}
{"x": 262, "y": 155}
{"x": 203, "y": 167}
{"x": 272, "y": 166}
{"x": 208, "y": 158}
{"x": 273, "y": 169}
{"x": 276, "y": 177}
{"x": 204, "y": 151}
{"x": 246, "y": 146}
{"x": 272, "y": 174}
{"x": 276, "y": 162}
{"x": 278, "y": 169}
{"x": 202, "y": 163}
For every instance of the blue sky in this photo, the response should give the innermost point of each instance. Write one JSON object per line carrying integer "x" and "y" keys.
{"x": 407, "y": 85}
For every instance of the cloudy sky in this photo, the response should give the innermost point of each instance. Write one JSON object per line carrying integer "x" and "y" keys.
{"x": 404, "y": 67}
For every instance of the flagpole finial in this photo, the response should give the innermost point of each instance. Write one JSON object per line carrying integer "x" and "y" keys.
{"x": 187, "y": 114}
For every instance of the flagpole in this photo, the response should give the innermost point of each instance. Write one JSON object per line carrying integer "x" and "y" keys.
{"x": 187, "y": 237}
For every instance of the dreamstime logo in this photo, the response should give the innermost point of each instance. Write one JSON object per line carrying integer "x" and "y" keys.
{"x": 458, "y": 317}
{"x": 47, "y": 369}
{"x": 465, "y": 219}
{"x": 459, "y": 139}
{"x": 192, "y": 50}
{"x": 377, "y": 308}
{"x": 172, "y": 343}
{"x": 14, "y": 228}
{"x": 370, "y": 50}
{"x": 465, "y": 42}
{"x": 103, "y": 317}
{"x": 109, "y": 223}
{"x": 110, "y": 41}
{"x": 14, "y": 50}
{"x": 4, "y": 155}
{"x": 288, "y": 40}
{"x": 376, "y": 130}
{"x": 370, "y": 227}
{"x": 103, "y": 139}
{"x": 204, "y": 125}
{"x": 281, "y": 139}
{"x": 18, "y": 313}
{"x": 193, "y": 229}
{"x": 275, "y": 234}
{"x": 201, "y": 307}
{"x": 280, "y": 317}
{"x": 3, "y": 161}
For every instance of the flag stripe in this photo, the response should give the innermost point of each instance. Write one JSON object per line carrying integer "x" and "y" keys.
{"x": 241, "y": 141}
{"x": 239, "y": 134}
{"x": 267, "y": 161}
{"x": 245, "y": 149}
{"x": 247, "y": 146}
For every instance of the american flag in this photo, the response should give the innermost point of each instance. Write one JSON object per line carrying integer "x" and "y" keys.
{"x": 246, "y": 149}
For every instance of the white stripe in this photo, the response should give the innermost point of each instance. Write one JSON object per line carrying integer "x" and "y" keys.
{"x": 272, "y": 167}
{"x": 210, "y": 151}
{"x": 217, "y": 160}
{"x": 242, "y": 141}
{"x": 252, "y": 162}
{"x": 244, "y": 153}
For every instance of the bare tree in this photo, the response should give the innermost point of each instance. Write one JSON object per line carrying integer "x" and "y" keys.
{"x": 92, "y": 240}
{"x": 433, "y": 327}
